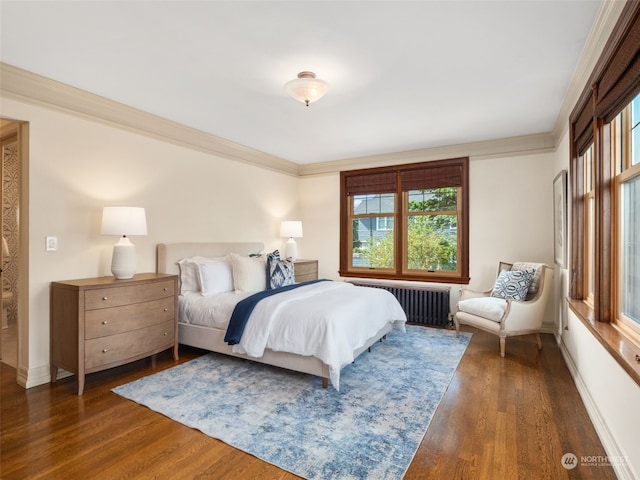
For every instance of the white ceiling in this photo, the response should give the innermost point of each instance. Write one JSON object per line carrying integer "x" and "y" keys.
{"x": 403, "y": 75}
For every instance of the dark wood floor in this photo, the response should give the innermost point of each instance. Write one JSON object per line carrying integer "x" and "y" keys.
{"x": 501, "y": 418}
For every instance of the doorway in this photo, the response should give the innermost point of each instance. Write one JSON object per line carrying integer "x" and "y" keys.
{"x": 10, "y": 175}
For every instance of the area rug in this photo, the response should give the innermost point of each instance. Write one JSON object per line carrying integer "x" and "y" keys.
{"x": 370, "y": 429}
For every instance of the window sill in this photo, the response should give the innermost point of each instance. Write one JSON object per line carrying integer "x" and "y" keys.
{"x": 621, "y": 348}
{"x": 407, "y": 278}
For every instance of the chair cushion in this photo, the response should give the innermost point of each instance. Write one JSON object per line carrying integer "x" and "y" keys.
{"x": 513, "y": 284}
{"x": 491, "y": 308}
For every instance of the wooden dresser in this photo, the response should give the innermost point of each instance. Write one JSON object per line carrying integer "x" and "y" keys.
{"x": 100, "y": 323}
{"x": 305, "y": 270}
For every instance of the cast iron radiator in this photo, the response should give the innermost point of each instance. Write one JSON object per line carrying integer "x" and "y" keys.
{"x": 426, "y": 306}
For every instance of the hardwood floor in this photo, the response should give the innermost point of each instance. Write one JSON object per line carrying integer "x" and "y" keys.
{"x": 501, "y": 418}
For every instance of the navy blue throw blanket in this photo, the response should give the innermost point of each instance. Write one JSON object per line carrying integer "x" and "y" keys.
{"x": 243, "y": 309}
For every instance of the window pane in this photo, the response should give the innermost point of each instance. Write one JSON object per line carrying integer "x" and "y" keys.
{"x": 432, "y": 242}
{"x": 630, "y": 258}
{"x": 434, "y": 200}
{"x": 373, "y": 247}
{"x": 377, "y": 203}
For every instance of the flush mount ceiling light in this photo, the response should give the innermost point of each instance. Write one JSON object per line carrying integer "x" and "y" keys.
{"x": 306, "y": 88}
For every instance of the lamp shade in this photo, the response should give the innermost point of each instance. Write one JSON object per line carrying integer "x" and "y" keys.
{"x": 291, "y": 229}
{"x": 124, "y": 221}
{"x": 306, "y": 88}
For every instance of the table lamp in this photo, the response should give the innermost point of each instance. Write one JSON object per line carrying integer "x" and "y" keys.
{"x": 123, "y": 221}
{"x": 291, "y": 229}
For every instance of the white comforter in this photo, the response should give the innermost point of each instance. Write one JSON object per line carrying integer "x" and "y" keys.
{"x": 334, "y": 319}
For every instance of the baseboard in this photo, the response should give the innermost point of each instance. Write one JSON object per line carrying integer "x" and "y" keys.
{"x": 34, "y": 377}
{"x": 621, "y": 468}
{"x": 548, "y": 329}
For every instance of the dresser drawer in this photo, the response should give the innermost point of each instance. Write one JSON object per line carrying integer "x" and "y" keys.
{"x": 126, "y": 294}
{"x": 119, "y": 348}
{"x": 109, "y": 321}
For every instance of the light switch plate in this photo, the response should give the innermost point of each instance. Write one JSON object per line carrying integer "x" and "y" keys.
{"x": 51, "y": 244}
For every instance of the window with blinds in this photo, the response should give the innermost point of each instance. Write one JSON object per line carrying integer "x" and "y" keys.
{"x": 406, "y": 222}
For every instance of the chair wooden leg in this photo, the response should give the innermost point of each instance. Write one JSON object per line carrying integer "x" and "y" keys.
{"x": 502, "y": 346}
{"x": 539, "y": 341}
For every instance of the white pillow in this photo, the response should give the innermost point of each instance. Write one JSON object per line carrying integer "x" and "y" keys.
{"x": 491, "y": 308}
{"x": 249, "y": 273}
{"x": 215, "y": 277}
{"x": 190, "y": 274}
{"x": 189, "y": 281}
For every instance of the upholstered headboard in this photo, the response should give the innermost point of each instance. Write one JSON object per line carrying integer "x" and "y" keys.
{"x": 168, "y": 254}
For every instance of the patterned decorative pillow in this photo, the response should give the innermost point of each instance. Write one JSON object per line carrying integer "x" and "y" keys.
{"x": 279, "y": 272}
{"x": 513, "y": 284}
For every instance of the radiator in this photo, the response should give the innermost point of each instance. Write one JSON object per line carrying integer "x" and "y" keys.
{"x": 425, "y": 306}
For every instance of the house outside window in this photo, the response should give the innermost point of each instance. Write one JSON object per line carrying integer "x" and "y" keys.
{"x": 406, "y": 222}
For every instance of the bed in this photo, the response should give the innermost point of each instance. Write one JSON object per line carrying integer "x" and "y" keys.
{"x": 374, "y": 313}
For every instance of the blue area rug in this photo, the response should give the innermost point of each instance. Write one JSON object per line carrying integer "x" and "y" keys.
{"x": 370, "y": 429}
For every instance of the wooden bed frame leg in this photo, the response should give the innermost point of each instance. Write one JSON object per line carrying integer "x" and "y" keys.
{"x": 325, "y": 382}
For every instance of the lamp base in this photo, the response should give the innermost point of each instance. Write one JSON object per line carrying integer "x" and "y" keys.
{"x": 123, "y": 261}
{"x": 291, "y": 250}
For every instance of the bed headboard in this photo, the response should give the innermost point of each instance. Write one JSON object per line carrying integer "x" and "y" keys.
{"x": 169, "y": 253}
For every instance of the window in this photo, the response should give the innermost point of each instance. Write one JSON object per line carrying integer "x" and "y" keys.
{"x": 605, "y": 182}
{"x": 625, "y": 155}
{"x": 372, "y": 220}
{"x": 406, "y": 222}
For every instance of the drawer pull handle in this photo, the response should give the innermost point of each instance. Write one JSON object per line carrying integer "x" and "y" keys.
{"x": 166, "y": 309}
{"x": 104, "y": 322}
{"x": 165, "y": 334}
{"x": 104, "y": 298}
{"x": 165, "y": 289}
{"x": 104, "y": 350}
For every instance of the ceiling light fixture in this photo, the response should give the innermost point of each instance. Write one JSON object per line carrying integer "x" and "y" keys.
{"x": 306, "y": 88}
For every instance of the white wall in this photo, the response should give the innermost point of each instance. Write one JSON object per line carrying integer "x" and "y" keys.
{"x": 77, "y": 166}
{"x": 511, "y": 217}
{"x": 608, "y": 392}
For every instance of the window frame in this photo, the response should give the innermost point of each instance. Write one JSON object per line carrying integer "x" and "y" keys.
{"x": 400, "y": 270}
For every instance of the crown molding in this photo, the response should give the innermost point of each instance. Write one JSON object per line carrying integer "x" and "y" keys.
{"x": 523, "y": 145}
{"x": 603, "y": 26}
{"x": 29, "y": 87}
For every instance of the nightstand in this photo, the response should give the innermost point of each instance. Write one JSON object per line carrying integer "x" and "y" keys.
{"x": 305, "y": 270}
{"x": 100, "y": 323}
